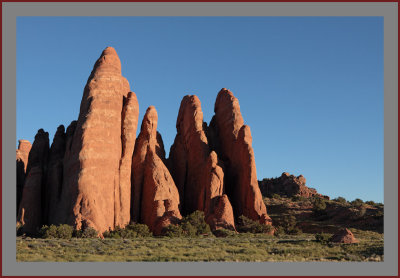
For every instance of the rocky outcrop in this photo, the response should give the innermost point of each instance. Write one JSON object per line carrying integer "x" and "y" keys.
{"x": 232, "y": 141}
{"x": 91, "y": 187}
{"x": 31, "y": 207}
{"x": 288, "y": 185}
{"x": 192, "y": 146}
{"x": 217, "y": 207}
{"x": 344, "y": 236}
{"x": 155, "y": 196}
{"x": 22, "y": 153}
{"x": 199, "y": 177}
{"x": 55, "y": 175}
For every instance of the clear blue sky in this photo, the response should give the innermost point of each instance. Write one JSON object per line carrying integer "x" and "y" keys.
{"x": 310, "y": 88}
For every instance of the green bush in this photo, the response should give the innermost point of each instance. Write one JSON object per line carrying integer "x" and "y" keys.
{"x": 275, "y": 196}
{"x": 139, "y": 230}
{"x": 319, "y": 204}
{"x": 357, "y": 202}
{"x": 173, "y": 231}
{"x": 62, "y": 231}
{"x": 246, "y": 225}
{"x": 88, "y": 232}
{"x": 298, "y": 198}
{"x": 371, "y": 203}
{"x": 194, "y": 224}
{"x": 322, "y": 238}
{"x": 224, "y": 233}
{"x": 279, "y": 231}
{"x": 130, "y": 231}
{"x": 340, "y": 200}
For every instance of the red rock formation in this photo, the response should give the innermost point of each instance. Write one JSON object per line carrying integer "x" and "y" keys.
{"x": 155, "y": 196}
{"x": 217, "y": 208}
{"x": 147, "y": 137}
{"x": 22, "y": 153}
{"x": 30, "y": 210}
{"x": 344, "y": 236}
{"x": 288, "y": 185}
{"x": 232, "y": 140}
{"x": 160, "y": 197}
{"x": 196, "y": 171}
{"x": 130, "y": 115}
{"x": 193, "y": 143}
{"x": 54, "y": 175}
{"x": 91, "y": 187}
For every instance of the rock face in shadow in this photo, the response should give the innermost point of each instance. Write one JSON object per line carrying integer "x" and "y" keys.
{"x": 31, "y": 208}
{"x": 198, "y": 176}
{"x": 155, "y": 196}
{"x": 232, "y": 141}
{"x": 22, "y": 154}
{"x": 288, "y": 185}
{"x": 55, "y": 169}
{"x": 91, "y": 187}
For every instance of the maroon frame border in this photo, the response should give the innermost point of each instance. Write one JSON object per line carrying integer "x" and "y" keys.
{"x": 162, "y": 1}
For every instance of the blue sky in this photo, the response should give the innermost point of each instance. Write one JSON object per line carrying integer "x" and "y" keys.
{"x": 310, "y": 88}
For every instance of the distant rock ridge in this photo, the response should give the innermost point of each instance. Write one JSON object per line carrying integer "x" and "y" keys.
{"x": 98, "y": 174}
{"x": 288, "y": 185}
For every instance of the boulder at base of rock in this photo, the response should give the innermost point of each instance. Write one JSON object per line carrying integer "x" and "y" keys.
{"x": 344, "y": 236}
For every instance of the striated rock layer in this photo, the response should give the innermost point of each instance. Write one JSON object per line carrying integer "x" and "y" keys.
{"x": 31, "y": 208}
{"x": 155, "y": 196}
{"x": 22, "y": 153}
{"x": 92, "y": 189}
{"x": 232, "y": 141}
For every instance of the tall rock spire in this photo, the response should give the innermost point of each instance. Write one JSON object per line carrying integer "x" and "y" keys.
{"x": 233, "y": 142}
{"x": 91, "y": 193}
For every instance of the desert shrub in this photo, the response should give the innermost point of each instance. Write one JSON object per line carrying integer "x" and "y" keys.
{"x": 322, "y": 238}
{"x": 275, "y": 196}
{"x": 246, "y": 225}
{"x": 20, "y": 230}
{"x": 340, "y": 200}
{"x": 295, "y": 231}
{"x": 133, "y": 230}
{"x": 288, "y": 223}
{"x": 194, "y": 224}
{"x": 279, "y": 231}
{"x": 173, "y": 231}
{"x": 224, "y": 233}
{"x": 371, "y": 203}
{"x": 298, "y": 198}
{"x": 139, "y": 230}
{"x": 319, "y": 204}
{"x": 62, "y": 231}
{"x": 357, "y": 202}
{"x": 88, "y": 232}
{"x": 378, "y": 214}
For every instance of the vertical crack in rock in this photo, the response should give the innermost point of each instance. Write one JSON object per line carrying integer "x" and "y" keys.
{"x": 54, "y": 174}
